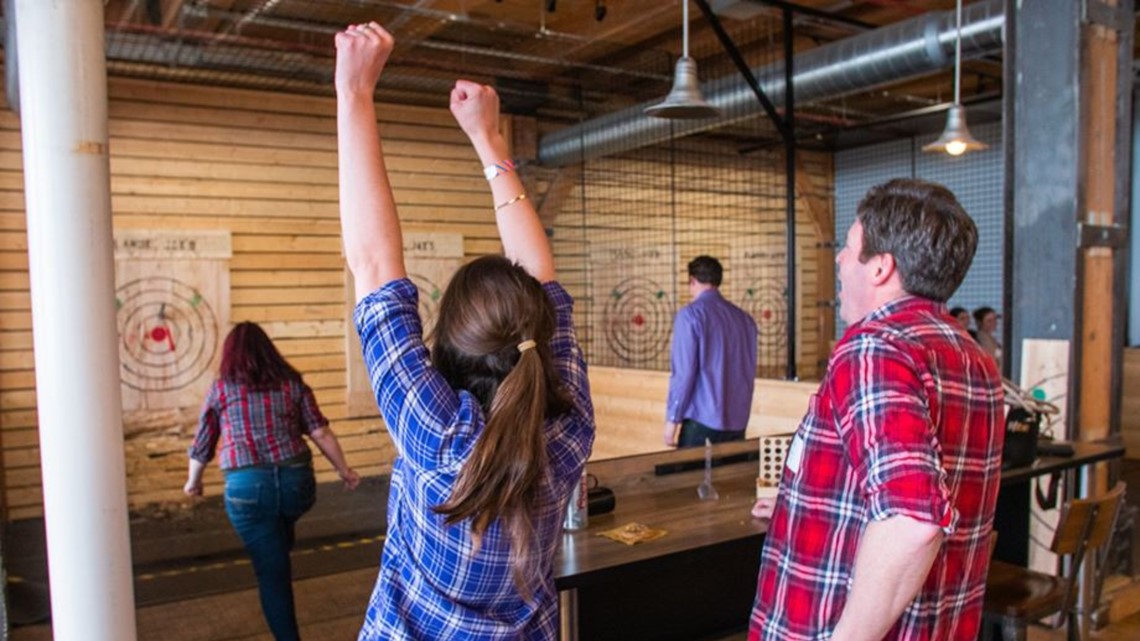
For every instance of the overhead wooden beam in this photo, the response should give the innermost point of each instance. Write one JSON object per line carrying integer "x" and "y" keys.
{"x": 565, "y": 180}
{"x": 549, "y": 188}
{"x": 170, "y": 11}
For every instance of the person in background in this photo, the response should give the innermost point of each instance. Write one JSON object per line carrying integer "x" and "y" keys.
{"x": 882, "y": 524}
{"x": 260, "y": 409}
{"x": 494, "y": 424}
{"x": 962, "y": 315}
{"x": 713, "y": 364}
{"x": 986, "y": 320}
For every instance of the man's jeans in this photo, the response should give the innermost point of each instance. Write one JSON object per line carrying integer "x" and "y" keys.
{"x": 263, "y": 503}
{"x": 694, "y": 433}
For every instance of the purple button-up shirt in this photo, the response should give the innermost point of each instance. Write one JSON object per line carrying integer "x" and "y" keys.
{"x": 714, "y": 364}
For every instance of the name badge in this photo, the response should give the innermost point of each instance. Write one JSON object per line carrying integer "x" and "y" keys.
{"x": 795, "y": 454}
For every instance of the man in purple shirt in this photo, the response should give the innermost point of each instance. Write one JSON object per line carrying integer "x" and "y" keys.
{"x": 714, "y": 364}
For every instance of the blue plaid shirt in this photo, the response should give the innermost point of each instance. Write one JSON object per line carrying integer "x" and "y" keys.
{"x": 434, "y": 584}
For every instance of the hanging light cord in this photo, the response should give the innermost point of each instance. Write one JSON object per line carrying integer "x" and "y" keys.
{"x": 957, "y": 59}
{"x": 685, "y": 26}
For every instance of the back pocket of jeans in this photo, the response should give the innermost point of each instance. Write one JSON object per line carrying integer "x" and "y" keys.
{"x": 307, "y": 492}
{"x": 242, "y": 500}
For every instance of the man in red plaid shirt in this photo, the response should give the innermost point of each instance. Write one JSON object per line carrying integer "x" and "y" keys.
{"x": 881, "y": 528}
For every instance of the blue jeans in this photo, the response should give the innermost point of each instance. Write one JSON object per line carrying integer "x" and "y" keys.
{"x": 263, "y": 503}
{"x": 694, "y": 433}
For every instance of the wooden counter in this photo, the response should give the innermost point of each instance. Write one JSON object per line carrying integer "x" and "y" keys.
{"x": 698, "y": 580}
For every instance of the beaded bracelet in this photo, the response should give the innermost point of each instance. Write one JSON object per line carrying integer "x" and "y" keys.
{"x": 510, "y": 202}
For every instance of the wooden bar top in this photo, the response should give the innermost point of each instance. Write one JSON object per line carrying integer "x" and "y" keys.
{"x": 666, "y": 502}
{"x": 670, "y": 502}
{"x": 1083, "y": 454}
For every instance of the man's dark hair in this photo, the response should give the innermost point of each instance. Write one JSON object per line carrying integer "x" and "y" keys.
{"x": 957, "y": 311}
{"x": 706, "y": 270}
{"x": 921, "y": 225}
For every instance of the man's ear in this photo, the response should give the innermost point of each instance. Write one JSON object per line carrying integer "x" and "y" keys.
{"x": 884, "y": 269}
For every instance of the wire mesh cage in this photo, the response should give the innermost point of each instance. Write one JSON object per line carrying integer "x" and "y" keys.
{"x": 628, "y": 229}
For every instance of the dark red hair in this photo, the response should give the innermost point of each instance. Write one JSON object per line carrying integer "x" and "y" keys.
{"x": 249, "y": 357}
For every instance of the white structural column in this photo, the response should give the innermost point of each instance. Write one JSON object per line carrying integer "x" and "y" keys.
{"x": 63, "y": 120}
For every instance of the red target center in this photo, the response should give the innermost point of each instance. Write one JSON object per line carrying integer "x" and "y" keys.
{"x": 638, "y": 320}
{"x": 767, "y": 314}
{"x": 158, "y": 334}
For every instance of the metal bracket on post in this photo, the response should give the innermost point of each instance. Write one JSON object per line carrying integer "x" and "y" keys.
{"x": 1098, "y": 13}
{"x": 1090, "y": 236}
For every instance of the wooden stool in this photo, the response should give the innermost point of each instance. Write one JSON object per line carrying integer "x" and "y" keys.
{"x": 1016, "y": 596}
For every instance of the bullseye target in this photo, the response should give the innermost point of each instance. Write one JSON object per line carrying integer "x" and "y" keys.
{"x": 431, "y": 259}
{"x": 168, "y": 334}
{"x": 767, "y": 303}
{"x": 430, "y": 294}
{"x": 637, "y": 320}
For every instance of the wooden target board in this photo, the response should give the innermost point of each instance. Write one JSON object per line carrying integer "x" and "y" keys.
{"x": 172, "y": 301}
{"x": 1045, "y": 374}
{"x": 758, "y": 284}
{"x": 634, "y": 305}
{"x": 430, "y": 259}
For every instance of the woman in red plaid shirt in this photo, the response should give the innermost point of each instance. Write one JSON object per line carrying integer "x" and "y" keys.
{"x": 881, "y": 528}
{"x": 259, "y": 409}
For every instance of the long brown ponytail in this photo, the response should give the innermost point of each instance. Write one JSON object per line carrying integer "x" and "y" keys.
{"x": 491, "y": 307}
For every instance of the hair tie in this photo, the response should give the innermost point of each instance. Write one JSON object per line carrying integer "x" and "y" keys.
{"x": 527, "y": 344}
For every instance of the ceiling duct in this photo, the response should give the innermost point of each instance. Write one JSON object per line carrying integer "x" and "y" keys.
{"x": 906, "y": 49}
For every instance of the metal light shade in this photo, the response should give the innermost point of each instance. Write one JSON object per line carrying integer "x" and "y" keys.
{"x": 955, "y": 139}
{"x": 684, "y": 100}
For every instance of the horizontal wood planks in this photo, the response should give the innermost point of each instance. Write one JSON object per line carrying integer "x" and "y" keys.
{"x": 263, "y": 167}
{"x": 629, "y": 406}
{"x": 1130, "y": 402}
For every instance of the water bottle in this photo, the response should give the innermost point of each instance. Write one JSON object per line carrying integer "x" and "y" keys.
{"x": 577, "y": 516}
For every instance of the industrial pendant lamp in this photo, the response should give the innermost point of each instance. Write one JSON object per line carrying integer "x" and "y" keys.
{"x": 956, "y": 139}
{"x": 684, "y": 100}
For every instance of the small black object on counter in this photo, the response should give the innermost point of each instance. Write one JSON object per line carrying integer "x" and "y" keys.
{"x": 600, "y": 500}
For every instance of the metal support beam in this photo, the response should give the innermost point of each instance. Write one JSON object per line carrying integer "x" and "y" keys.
{"x": 745, "y": 71}
{"x": 818, "y": 14}
{"x": 789, "y": 133}
{"x": 1043, "y": 222}
{"x": 786, "y": 126}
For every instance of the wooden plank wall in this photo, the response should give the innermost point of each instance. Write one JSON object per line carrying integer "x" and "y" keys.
{"x": 262, "y": 166}
{"x": 629, "y": 406}
{"x": 1130, "y": 403}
